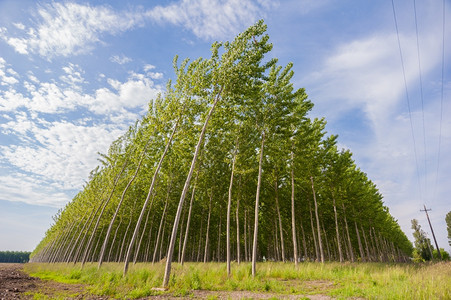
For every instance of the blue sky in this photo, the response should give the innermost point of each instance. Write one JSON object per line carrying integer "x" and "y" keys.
{"x": 75, "y": 74}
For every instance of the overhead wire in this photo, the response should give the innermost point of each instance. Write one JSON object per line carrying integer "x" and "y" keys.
{"x": 422, "y": 97}
{"x": 408, "y": 100}
{"x": 441, "y": 99}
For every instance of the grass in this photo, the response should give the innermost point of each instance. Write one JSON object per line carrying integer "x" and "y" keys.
{"x": 365, "y": 280}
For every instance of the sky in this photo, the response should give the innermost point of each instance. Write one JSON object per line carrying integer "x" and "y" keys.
{"x": 74, "y": 75}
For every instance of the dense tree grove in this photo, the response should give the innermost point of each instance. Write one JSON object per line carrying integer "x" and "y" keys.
{"x": 226, "y": 165}
{"x": 14, "y": 256}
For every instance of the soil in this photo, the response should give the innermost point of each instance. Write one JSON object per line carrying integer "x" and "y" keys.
{"x": 16, "y": 284}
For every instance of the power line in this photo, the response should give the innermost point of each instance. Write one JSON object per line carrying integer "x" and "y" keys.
{"x": 407, "y": 97}
{"x": 441, "y": 99}
{"x": 421, "y": 95}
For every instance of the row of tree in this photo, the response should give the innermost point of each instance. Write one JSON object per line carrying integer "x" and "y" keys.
{"x": 14, "y": 256}
{"x": 226, "y": 165}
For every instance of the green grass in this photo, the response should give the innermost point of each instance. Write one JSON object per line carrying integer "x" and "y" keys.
{"x": 365, "y": 280}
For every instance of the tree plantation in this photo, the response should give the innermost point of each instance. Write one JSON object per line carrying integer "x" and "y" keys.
{"x": 226, "y": 165}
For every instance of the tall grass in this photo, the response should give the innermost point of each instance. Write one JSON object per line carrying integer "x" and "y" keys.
{"x": 366, "y": 280}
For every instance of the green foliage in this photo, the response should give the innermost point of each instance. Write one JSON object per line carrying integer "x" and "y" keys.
{"x": 423, "y": 246}
{"x": 14, "y": 256}
{"x": 444, "y": 254}
{"x": 448, "y": 226}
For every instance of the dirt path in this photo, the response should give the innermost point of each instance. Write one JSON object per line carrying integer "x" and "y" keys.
{"x": 16, "y": 284}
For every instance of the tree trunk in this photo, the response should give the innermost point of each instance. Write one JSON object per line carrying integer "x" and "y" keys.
{"x": 160, "y": 227}
{"x": 314, "y": 236}
{"x": 317, "y": 222}
{"x": 304, "y": 242}
{"x": 229, "y": 205}
{"x": 185, "y": 241}
{"x": 246, "y": 256}
{"x": 141, "y": 238}
{"x": 200, "y": 240}
{"x": 362, "y": 254}
{"x": 366, "y": 243}
{"x": 282, "y": 248}
{"x": 293, "y": 221}
{"x": 238, "y": 226}
{"x": 167, "y": 270}
{"x": 114, "y": 239}
{"x": 110, "y": 226}
{"x": 257, "y": 200}
{"x": 340, "y": 253}
{"x": 152, "y": 184}
{"x": 347, "y": 233}
{"x": 208, "y": 230}
{"x": 219, "y": 235}
{"x": 116, "y": 180}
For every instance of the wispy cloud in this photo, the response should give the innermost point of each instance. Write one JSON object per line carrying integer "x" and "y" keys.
{"x": 66, "y": 29}
{"x": 364, "y": 76}
{"x": 120, "y": 59}
{"x": 211, "y": 19}
{"x": 55, "y": 150}
{"x": 69, "y": 29}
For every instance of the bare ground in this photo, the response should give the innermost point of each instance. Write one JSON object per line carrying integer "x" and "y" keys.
{"x": 16, "y": 284}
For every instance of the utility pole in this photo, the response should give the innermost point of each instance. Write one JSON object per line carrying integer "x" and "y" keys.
{"x": 432, "y": 230}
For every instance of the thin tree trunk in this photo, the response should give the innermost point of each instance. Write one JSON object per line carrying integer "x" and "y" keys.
{"x": 238, "y": 226}
{"x": 110, "y": 226}
{"x": 88, "y": 246}
{"x": 229, "y": 205}
{"x": 185, "y": 241}
{"x": 167, "y": 270}
{"x": 320, "y": 243}
{"x": 347, "y": 233}
{"x": 276, "y": 240}
{"x": 282, "y": 248}
{"x": 219, "y": 235}
{"x": 362, "y": 254}
{"x": 154, "y": 178}
{"x": 141, "y": 238}
{"x": 314, "y": 235}
{"x": 340, "y": 253}
{"x": 114, "y": 239}
{"x": 366, "y": 243}
{"x": 304, "y": 242}
{"x": 208, "y": 229}
{"x": 200, "y": 240}
{"x": 327, "y": 241}
{"x": 257, "y": 200}
{"x": 293, "y": 220}
{"x": 245, "y": 236}
{"x": 160, "y": 227}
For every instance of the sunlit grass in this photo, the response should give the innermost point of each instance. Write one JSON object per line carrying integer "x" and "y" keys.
{"x": 366, "y": 280}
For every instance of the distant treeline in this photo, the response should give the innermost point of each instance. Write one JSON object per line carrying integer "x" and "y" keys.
{"x": 14, "y": 256}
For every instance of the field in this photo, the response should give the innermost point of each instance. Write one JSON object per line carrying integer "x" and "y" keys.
{"x": 274, "y": 280}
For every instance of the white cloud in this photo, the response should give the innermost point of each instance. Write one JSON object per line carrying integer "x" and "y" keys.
{"x": 65, "y": 29}
{"x": 65, "y": 153}
{"x": 70, "y": 28}
{"x": 19, "y": 26}
{"x": 31, "y": 190}
{"x": 120, "y": 59}
{"x": 211, "y": 19}
{"x": 6, "y": 80}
